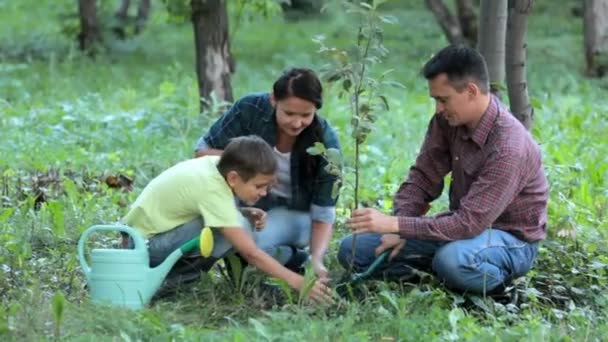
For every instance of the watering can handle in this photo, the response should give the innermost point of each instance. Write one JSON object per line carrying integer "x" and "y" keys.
{"x": 138, "y": 240}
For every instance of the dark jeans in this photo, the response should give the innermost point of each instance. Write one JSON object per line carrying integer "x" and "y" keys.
{"x": 477, "y": 265}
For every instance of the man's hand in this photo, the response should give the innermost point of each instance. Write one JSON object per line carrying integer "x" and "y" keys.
{"x": 389, "y": 241}
{"x": 369, "y": 220}
{"x": 256, "y": 216}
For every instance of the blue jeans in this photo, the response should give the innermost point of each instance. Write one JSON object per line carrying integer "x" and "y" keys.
{"x": 284, "y": 229}
{"x": 161, "y": 245}
{"x": 478, "y": 265}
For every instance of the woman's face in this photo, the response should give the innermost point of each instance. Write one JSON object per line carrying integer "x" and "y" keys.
{"x": 293, "y": 114}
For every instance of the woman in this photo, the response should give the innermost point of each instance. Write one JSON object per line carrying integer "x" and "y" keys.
{"x": 300, "y": 207}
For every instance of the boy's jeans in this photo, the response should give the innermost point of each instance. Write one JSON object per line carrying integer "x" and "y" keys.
{"x": 161, "y": 245}
{"x": 477, "y": 265}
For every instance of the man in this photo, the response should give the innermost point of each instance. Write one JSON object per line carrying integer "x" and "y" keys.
{"x": 498, "y": 190}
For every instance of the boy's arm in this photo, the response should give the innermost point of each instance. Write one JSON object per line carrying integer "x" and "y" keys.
{"x": 245, "y": 245}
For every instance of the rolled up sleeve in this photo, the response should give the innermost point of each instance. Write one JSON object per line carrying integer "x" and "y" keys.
{"x": 323, "y": 214}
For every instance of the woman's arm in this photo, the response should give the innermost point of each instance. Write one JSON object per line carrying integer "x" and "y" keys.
{"x": 319, "y": 241}
{"x": 207, "y": 152}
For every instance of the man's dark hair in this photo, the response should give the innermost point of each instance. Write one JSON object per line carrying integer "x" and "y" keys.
{"x": 299, "y": 82}
{"x": 249, "y": 156}
{"x": 461, "y": 64}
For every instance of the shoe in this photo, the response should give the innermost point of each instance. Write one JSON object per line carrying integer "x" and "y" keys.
{"x": 297, "y": 261}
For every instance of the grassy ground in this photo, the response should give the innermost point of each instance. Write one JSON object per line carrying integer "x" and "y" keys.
{"x": 67, "y": 121}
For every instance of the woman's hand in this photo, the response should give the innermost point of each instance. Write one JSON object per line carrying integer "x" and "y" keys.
{"x": 320, "y": 270}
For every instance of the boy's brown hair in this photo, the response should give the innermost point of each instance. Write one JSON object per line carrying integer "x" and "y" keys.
{"x": 249, "y": 156}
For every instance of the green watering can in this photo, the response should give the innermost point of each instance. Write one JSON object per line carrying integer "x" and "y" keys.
{"x": 123, "y": 276}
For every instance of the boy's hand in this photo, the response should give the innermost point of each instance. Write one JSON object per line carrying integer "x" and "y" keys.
{"x": 319, "y": 293}
{"x": 256, "y": 216}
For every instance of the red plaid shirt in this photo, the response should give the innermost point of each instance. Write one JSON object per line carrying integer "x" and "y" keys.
{"x": 497, "y": 181}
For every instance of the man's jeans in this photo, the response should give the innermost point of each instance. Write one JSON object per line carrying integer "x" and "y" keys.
{"x": 478, "y": 265}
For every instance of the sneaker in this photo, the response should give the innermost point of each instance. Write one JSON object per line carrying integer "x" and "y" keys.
{"x": 297, "y": 261}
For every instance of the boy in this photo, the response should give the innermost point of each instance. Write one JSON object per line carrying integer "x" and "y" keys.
{"x": 174, "y": 207}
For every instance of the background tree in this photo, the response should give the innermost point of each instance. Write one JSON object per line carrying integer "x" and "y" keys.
{"x": 460, "y": 28}
{"x": 517, "y": 86}
{"x": 596, "y": 36}
{"x": 122, "y": 17}
{"x": 90, "y": 33}
{"x": 214, "y": 62}
{"x": 492, "y": 39}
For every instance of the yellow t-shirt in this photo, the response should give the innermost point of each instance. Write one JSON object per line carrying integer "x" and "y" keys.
{"x": 181, "y": 193}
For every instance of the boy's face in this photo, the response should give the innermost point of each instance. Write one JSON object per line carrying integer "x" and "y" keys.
{"x": 252, "y": 190}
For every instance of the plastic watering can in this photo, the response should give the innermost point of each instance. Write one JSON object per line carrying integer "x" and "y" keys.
{"x": 123, "y": 276}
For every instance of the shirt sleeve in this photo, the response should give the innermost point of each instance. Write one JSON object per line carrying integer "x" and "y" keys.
{"x": 323, "y": 214}
{"x": 219, "y": 210}
{"x": 231, "y": 124}
{"x": 494, "y": 189}
{"x": 425, "y": 179}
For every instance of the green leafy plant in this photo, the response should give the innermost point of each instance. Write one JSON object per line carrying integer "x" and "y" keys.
{"x": 58, "y": 304}
{"x": 352, "y": 67}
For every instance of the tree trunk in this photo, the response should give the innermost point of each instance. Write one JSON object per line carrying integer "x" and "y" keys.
{"x": 596, "y": 36}
{"x": 89, "y": 28}
{"x": 122, "y": 17}
{"x": 143, "y": 13}
{"x": 467, "y": 20}
{"x": 123, "y": 10}
{"x": 449, "y": 24}
{"x": 214, "y": 63}
{"x": 516, "y": 61}
{"x": 491, "y": 40}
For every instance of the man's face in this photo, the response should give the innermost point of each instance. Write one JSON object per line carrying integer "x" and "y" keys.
{"x": 293, "y": 115}
{"x": 252, "y": 190}
{"x": 453, "y": 105}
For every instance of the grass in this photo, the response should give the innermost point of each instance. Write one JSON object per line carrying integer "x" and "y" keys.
{"x": 68, "y": 121}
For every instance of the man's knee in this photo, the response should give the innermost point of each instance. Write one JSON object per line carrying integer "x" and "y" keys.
{"x": 364, "y": 253}
{"x": 447, "y": 264}
{"x": 345, "y": 251}
{"x": 456, "y": 267}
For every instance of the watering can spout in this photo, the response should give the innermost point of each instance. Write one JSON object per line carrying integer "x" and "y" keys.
{"x": 159, "y": 273}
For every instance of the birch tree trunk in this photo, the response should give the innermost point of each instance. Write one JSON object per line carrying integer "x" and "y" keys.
{"x": 214, "y": 63}
{"x": 491, "y": 39}
{"x": 596, "y": 36}
{"x": 517, "y": 85}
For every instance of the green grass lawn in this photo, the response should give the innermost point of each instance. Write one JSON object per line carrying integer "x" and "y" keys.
{"x": 68, "y": 121}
